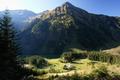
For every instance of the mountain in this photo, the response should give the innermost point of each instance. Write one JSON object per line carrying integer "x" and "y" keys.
{"x": 19, "y": 18}
{"x": 37, "y": 16}
{"x": 67, "y": 27}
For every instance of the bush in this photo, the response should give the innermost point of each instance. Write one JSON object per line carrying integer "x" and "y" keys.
{"x": 37, "y": 61}
{"x": 67, "y": 57}
{"x": 101, "y": 73}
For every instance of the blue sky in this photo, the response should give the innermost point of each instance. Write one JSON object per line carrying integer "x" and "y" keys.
{"x": 107, "y": 7}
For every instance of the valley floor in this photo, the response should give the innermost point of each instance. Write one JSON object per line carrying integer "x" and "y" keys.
{"x": 82, "y": 67}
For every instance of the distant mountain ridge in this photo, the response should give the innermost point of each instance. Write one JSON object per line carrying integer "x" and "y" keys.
{"x": 37, "y": 16}
{"x": 19, "y": 18}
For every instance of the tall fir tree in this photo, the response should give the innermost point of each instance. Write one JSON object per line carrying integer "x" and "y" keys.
{"x": 8, "y": 49}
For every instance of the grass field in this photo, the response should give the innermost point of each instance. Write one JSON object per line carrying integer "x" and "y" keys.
{"x": 82, "y": 67}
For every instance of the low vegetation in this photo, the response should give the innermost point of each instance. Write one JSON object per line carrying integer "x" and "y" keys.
{"x": 92, "y": 55}
{"x": 36, "y": 61}
{"x": 77, "y": 66}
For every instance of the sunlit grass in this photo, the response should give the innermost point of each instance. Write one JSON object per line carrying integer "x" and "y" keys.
{"x": 82, "y": 67}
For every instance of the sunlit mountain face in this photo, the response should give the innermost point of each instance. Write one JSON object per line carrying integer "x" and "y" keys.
{"x": 66, "y": 27}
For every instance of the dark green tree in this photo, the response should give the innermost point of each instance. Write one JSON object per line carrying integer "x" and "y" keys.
{"x": 8, "y": 49}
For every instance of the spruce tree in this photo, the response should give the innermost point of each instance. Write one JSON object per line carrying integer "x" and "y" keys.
{"x": 8, "y": 49}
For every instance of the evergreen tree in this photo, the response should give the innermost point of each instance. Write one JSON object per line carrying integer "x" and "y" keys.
{"x": 8, "y": 49}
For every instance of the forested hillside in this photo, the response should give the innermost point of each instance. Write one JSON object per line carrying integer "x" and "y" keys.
{"x": 67, "y": 27}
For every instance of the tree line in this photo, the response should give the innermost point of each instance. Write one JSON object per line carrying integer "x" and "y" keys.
{"x": 92, "y": 55}
{"x": 10, "y": 69}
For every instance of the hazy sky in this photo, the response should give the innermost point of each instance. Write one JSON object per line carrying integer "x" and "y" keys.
{"x": 108, "y": 7}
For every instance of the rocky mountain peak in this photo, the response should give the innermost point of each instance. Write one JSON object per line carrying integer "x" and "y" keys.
{"x": 68, "y": 4}
{"x": 66, "y": 8}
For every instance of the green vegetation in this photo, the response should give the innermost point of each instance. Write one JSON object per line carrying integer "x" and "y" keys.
{"x": 92, "y": 55}
{"x": 67, "y": 27}
{"x": 65, "y": 21}
{"x": 78, "y": 69}
{"x": 67, "y": 57}
{"x": 9, "y": 68}
{"x": 98, "y": 74}
{"x": 36, "y": 61}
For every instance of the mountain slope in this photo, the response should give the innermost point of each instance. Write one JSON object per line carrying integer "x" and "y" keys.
{"x": 19, "y": 18}
{"x": 68, "y": 27}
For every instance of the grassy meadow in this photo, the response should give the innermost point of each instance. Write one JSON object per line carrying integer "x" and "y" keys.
{"x": 82, "y": 67}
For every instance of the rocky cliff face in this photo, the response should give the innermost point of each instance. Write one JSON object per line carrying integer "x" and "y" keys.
{"x": 68, "y": 27}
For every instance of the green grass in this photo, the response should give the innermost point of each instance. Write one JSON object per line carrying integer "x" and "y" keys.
{"x": 82, "y": 67}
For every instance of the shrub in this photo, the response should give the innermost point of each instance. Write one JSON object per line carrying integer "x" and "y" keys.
{"x": 37, "y": 61}
{"x": 101, "y": 73}
{"x": 67, "y": 57}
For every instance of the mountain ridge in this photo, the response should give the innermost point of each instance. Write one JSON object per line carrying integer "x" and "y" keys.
{"x": 67, "y": 27}
{"x": 19, "y": 17}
